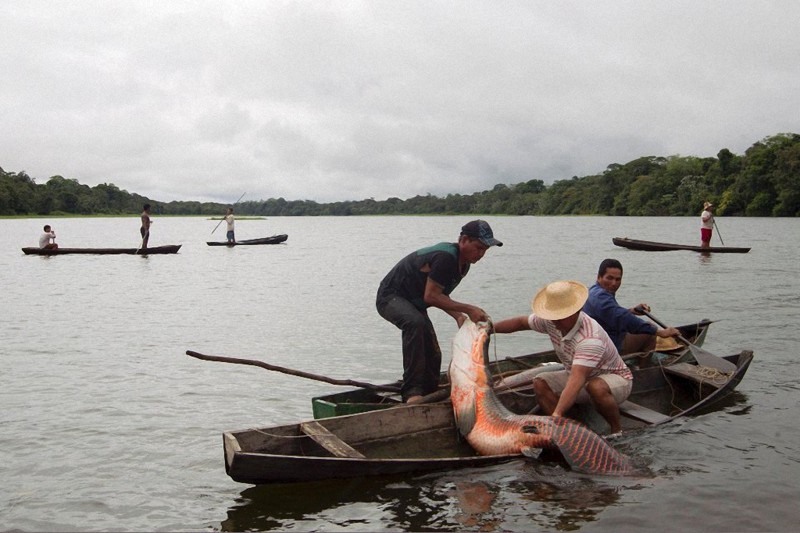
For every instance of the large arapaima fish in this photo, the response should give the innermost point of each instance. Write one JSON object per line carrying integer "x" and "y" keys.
{"x": 490, "y": 428}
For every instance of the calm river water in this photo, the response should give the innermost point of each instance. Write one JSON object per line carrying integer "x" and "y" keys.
{"x": 108, "y": 425}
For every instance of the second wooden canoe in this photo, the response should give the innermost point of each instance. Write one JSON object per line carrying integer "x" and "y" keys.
{"x": 360, "y": 400}
{"x": 651, "y": 246}
{"x": 275, "y": 239}
{"x": 168, "y": 249}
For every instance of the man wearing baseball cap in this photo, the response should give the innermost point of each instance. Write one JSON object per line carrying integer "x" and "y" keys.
{"x": 425, "y": 278}
{"x": 593, "y": 370}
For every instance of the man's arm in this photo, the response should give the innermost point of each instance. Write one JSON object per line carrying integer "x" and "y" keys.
{"x": 435, "y": 296}
{"x": 510, "y": 325}
{"x": 577, "y": 379}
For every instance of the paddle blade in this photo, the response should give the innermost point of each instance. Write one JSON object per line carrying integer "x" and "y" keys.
{"x": 708, "y": 359}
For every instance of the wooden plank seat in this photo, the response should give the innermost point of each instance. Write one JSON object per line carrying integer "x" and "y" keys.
{"x": 699, "y": 374}
{"x": 336, "y": 446}
{"x": 640, "y": 412}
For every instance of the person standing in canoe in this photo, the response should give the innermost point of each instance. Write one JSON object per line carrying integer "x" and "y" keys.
{"x": 229, "y": 220}
{"x": 425, "y": 278}
{"x": 48, "y": 239}
{"x": 628, "y": 332}
{"x": 145, "y": 229}
{"x": 593, "y": 370}
{"x": 706, "y": 224}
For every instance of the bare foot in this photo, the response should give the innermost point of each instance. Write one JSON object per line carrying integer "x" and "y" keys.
{"x": 414, "y": 399}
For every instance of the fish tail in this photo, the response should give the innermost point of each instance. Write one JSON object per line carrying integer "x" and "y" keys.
{"x": 588, "y": 452}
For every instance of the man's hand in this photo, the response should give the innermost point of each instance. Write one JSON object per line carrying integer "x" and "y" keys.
{"x": 668, "y": 332}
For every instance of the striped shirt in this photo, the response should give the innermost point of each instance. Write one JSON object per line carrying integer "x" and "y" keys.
{"x": 586, "y": 344}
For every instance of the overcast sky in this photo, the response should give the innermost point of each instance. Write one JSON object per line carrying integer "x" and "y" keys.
{"x": 339, "y": 100}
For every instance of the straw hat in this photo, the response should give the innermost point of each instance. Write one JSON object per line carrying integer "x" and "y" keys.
{"x": 559, "y": 299}
{"x": 706, "y": 205}
{"x": 667, "y": 344}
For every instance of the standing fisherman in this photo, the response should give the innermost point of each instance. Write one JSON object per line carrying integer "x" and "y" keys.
{"x": 423, "y": 279}
{"x": 145, "y": 229}
{"x": 706, "y": 224}
{"x": 229, "y": 220}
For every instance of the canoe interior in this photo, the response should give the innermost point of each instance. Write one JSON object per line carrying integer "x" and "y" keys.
{"x": 652, "y": 246}
{"x": 396, "y": 434}
{"x": 360, "y": 400}
{"x": 408, "y": 439}
{"x": 155, "y": 250}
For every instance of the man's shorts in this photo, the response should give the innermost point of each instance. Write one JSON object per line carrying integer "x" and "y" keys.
{"x": 620, "y": 387}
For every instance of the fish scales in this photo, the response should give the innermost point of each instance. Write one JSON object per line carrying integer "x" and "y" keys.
{"x": 490, "y": 428}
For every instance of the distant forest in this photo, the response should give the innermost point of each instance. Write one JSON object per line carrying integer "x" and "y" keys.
{"x": 764, "y": 181}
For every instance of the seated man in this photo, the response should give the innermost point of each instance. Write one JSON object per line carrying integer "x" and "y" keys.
{"x": 594, "y": 371}
{"x": 48, "y": 238}
{"x": 628, "y": 332}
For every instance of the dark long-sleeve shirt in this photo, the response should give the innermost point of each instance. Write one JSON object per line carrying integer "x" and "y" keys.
{"x": 615, "y": 319}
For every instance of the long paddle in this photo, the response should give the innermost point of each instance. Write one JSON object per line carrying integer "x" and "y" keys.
{"x": 223, "y": 218}
{"x": 703, "y": 357}
{"x": 146, "y": 233}
{"x": 300, "y": 373}
{"x": 714, "y": 221}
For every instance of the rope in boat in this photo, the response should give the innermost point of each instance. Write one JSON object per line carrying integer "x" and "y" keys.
{"x": 502, "y": 375}
{"x": 268, "y": 434}
{"x": 705, "y": 374}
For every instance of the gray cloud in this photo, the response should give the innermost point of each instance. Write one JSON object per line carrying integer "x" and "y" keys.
{"x": 350, "y": 100}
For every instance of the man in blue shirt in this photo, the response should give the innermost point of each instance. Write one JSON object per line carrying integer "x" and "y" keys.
{"x": 423, "y": 279}
{"x": 629, "y": 332}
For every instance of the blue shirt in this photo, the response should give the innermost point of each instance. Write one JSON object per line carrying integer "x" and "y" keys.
{"x": 615, "y": 319}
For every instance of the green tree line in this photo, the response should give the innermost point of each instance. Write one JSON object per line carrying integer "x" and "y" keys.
{"x": 764, "y": 181}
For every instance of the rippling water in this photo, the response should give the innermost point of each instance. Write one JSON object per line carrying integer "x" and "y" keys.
{"x": 108, "y": 425}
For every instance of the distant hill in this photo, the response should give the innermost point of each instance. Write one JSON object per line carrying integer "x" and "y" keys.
{"x": 764, "y": 181}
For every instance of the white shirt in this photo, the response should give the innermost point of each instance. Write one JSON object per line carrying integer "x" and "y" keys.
{"x": 45, "y": 239}
{"x": 707, "y": 219}
{"x": 586, "y": 344}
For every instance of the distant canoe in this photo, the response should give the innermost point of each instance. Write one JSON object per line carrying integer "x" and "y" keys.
{"x": 169, "y": 249}
{"x": 650, "y": 246}
{"x": 275, "y": 239}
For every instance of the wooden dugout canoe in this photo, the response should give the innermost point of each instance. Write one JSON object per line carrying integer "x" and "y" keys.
{"x": 424, "y": 437}
{"x": 275, "y": 239}
{"x": 360, "y": 400}
{"x": 168, "y": 249}
{"x": 651, "y": 246}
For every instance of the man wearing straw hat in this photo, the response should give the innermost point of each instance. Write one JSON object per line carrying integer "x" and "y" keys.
{"x": 593, "y": 370}
{"x": 706, "y": 224}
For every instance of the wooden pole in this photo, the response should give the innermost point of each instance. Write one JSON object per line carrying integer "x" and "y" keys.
{"x": 291, "y": 372}
{"x": 718, "y": 233}
{"x": 223, "y": 218}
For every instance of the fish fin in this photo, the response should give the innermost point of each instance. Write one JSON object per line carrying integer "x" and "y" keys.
{"x": 465, "y": 417}
{"x": 531, "y": 453}
{"x": 530, "y": 429}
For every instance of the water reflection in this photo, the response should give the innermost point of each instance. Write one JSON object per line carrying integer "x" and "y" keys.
{"x": 517, "y": 495}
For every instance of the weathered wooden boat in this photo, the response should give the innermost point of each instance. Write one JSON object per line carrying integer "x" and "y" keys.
{"x": 168, "y": 249}
{"x": 423, "y": 437}
{"x": 360, "y": 400}
{"x": 651, "y": 246}
{"x": 275, "y": 239}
